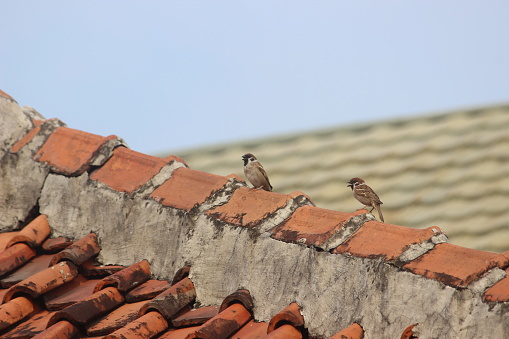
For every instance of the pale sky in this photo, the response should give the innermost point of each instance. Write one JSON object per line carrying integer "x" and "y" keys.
{"x": 171, "y": 75}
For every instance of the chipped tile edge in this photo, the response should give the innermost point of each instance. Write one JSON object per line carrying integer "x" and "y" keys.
{"x": 351, "y": 226}
{"x": 157, "y": 180}
{"x": 489, "y": 279}
{"x": 416, "y": 250}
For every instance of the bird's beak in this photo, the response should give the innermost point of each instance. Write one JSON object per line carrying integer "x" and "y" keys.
{"x": 349, "y": 184}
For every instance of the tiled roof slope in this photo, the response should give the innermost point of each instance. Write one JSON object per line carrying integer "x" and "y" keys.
{"x": 189, "y": 254}
{"x": 450, "y": 169}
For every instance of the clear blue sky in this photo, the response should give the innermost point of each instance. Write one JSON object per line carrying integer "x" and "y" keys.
{"x": 170, "y": 75}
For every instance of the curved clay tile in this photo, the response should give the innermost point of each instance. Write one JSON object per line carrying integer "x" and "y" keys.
{"x": 147, "y": 326}
{"x": 285, "y": 332}
{"x": 196, "y": 316}
{"x": 238, "y": 297}
{"x": 79, "y": 252}
{"x": 43, "y": 281}
{"x": 172, "y": 300}
{"x": 87, "y": 309}
{"x": 32, "y": 234}
{"x": 353, "y": 331}
{"x": 224, "y": 324}
{"x": 147, "y": 290}
{"x": 14, "y": 257}
{"x": 289, "y": 315}
{"x": 54, "y": 245}
{"x": 128, "y": 278}
{"x": 14, "y": 310}
{"x": 408, "y": 333}
{"x": 61, "y": 330}
{"x": 182, "y": 273}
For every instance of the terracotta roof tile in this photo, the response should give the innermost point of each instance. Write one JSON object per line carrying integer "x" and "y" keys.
{"x": 285, "y": 331}
{"x": 70, "y": 293}
{"x": 499, "y": 291}
{"x": 380, "y": 240}
{"x": 416, "y": 164}
{"x": 224, "y": 324}
{"x": 29, "y": 328}
{"x": 290, "y": 315}
{"x": 72, "y": 152}
{"x": 332, "y": 277}
{"x": 408, "y": 333}
{"x": 116, "y": 319}
{"x": 14, "y": 310}
{"x": 32, "y": 234}
{"x": 316, "y": 226}
{"x": 54, "y": 245}
{"x": 252, "y": 330}
{"x": 128, "y": 170}
{"x": 61, "y": 330}
{"x": 5, "y": 95}
{"x": 5, "y": 238}
{"x": 42, "y": 282}
{"x": 147, "y": 290}
{"x": 195, "y": 316}
{"x": 172, "y": 300}
{"x": 15, "y": 256}
{"x": 353, "y": 331}
{"x": 31, "y": 267}
{"x": 249, "y": 207}
{"x": 79, "y": 252}
{"x": 179, "y": 333}
{"x": 187, "y": 188}
{"x": 28, "y": 137}
{"x": 147, "y": 326}
{"x": 241, "y": 296}
{"x": 455, "y": 265}
{"x": 91, "y": 270}
{"x": 128, "y": 278}
{"x": 89, "y": 308}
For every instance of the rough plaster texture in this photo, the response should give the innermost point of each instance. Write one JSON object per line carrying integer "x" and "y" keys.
{"x": 21, "y": 178}
{"x": 333, "y": 290}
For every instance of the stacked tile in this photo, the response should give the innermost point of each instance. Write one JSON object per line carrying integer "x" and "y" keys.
{"x": 128, "y": 303}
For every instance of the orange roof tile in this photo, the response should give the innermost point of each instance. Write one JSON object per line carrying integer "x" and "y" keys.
{"x": 354, "y": 331}
{"x": 54, "y": 288}
{"x": 128, "y": 170}
{"x": 249, "y": 207}
{"x": 311, "y": 226}
{"x": 71, "y": 152}
{"x": 380, "y": 240}
{"x": 455, "y": 265}
{"x": 187, "y": 188}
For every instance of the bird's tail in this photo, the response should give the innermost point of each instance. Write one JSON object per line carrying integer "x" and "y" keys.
{"x": 379, "y": 210}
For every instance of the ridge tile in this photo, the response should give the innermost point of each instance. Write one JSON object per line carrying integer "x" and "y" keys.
{"x": 454, "y": 265}
{"x": 127, "y": 170}
{"x": 187, "y": 188}
{"x": 249, "y": 207}
{"x": 311, "y": 226}
{"x": 69, "y": 151}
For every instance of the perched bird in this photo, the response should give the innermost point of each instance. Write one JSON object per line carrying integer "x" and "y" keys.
{"x": 366, "y": 195}
{"x": 255, "y": 173}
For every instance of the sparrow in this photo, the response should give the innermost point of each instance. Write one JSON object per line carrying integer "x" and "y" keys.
{"x": 255, "y": 173}
{"x": 366, "y": 195}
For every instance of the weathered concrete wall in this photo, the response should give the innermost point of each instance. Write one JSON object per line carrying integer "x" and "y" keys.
{"x": 333, "y": 290}
{"x": 21, "y": 179}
